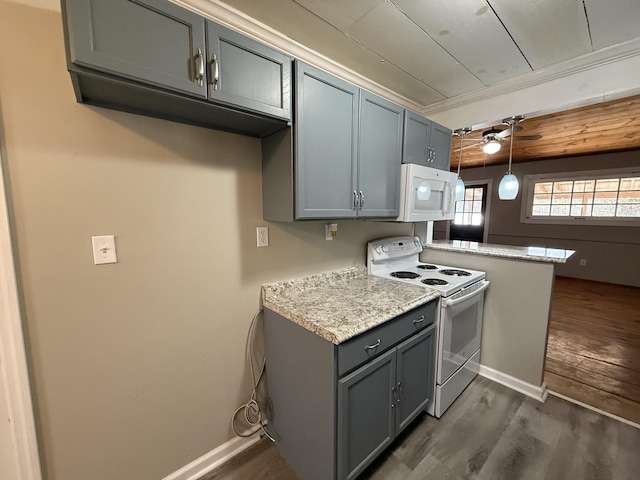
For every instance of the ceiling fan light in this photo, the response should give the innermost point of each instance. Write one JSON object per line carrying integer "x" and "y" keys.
{"x": 508, "y": 188}
{"x": 459, "y": 189}
{"x": 491, "y": 147}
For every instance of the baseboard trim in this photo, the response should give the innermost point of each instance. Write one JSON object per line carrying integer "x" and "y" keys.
{"x": 594, "y": 409}
{"x": 536, "y": 392}
{"x": 215, "y": 458}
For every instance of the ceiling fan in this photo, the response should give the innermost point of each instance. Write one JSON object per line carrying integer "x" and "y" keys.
{"x": 491, "y": 138}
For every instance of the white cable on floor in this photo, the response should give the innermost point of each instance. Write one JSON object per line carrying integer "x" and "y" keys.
{"x": 252, "y": 412}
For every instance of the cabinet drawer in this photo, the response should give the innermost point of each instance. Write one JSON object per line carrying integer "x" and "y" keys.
{"x": 370, "y": 344}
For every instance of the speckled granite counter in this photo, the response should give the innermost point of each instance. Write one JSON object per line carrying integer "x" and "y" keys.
{"x": 341, "y": 304}
{"x": 534, "y": 254}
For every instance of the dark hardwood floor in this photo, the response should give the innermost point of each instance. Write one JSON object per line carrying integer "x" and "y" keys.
{"x": 490, "y": 433}
{"x": 593, "y": 354}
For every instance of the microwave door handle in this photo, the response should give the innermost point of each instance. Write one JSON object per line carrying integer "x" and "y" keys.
{"x": 464, "y": 298}
{"x": 448, "y": 190}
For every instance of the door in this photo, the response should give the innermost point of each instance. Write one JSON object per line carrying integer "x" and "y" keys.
{"x": 415, "y": 376}
{"x": 326, "y": 131}
{"x": 470, "y": 214}
{"x": 380, "y": 156}
{"x": 417, "y": 134}
{"x": 461, "y": 329}
{"x": 247, "y": 74}
{"x": 440, "y": 147}
{"x": 365, "y": 414}
{"x": 153, "y": 41}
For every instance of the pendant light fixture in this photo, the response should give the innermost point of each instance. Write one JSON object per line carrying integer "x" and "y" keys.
{"x": 461, "y": 132}
{"x": 508, "y": 188}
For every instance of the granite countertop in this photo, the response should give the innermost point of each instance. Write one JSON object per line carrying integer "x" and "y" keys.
{"x": 534, "y": 254}
{"x": 341, "y": 304}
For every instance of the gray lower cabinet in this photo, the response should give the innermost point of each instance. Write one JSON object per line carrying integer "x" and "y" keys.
{"x": 341, "y": 160}
{"x": 335, "y": 408}
{"x": 426, "y": 142}
{"x": 152, "y": 57}
{"x": 380, "y": 399}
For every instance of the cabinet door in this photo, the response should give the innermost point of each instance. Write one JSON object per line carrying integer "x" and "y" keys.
{"x": 365, "y": 414}
{"x": 247, "y": 74}
{"x": 152, "y": 41}
{"x": 441, "y": 147}
{"x": 379, "y": 156}
{"x": 326, "y": 144}
{"x": 417, "y": 134}
{"x": 415, "y": 376}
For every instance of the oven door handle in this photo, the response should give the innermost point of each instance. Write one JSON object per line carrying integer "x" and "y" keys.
{"x": 464, "y": 298}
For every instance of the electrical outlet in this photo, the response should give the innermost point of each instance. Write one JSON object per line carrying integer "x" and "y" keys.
{"x": 104, "y": 249}
{"x": 263, "y": 236}
{"x": 330, "y": 231}
{"x": 583, "y": 262}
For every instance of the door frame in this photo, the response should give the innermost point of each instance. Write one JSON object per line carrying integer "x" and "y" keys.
{"x": 489, "y": 183}
{"x": 13, "y": 367}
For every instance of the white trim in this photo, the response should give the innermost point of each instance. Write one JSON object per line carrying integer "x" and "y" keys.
{"x": 222, "y": 13}
{"x": 214, "y": 459}
{"x": 603, "y": 57}
{"x": 528, "y": 389}
{"x": 13, "y": 366}
{"x": 529, "y": 181}
{"x": 228, "y": 16}
{"x": 593, "y": 409}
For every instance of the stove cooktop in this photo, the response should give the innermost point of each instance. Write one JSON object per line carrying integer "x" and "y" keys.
{"x": 398, "y": 258}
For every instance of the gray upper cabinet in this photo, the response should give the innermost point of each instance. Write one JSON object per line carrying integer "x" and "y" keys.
{"x": 380, "y": 157}
{"x": 150, "y": 57}
{"x": 426, "y": 142}
{"x": 152, "y": 41}
{"x": 326, "y": 130}
{"x": 343, "y": 158}
{"x": 248, "y": 74}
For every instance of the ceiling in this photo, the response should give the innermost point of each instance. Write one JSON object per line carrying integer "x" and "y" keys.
{"x": 605, "y": 127}
{"x": 432, "y": 50}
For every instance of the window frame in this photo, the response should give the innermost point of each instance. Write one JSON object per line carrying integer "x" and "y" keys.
{"x": 529, "y": 182}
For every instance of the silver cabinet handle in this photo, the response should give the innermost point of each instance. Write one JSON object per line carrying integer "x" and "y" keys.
{"x": 355, "y": 200}
{"x": 420, "y": 320}
{"x": 371, "y": 347}
{"x": 215, "y": 81}
{"x": 395, "y": 397}
{"x": 399, "y": 391}
{"x": 199, "y": 67}
{"x": 361, "y": 200}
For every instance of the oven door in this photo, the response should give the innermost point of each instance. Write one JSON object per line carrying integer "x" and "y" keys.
{"x": 460, "y": 328}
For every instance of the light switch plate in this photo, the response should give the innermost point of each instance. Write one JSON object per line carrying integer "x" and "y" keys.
{"x": 104, "y": 249}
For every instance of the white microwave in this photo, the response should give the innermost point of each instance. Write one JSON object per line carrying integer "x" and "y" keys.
{"x": 426, "y": 194}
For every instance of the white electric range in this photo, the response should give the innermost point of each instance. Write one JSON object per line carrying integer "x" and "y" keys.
{"x": 459, "y": 322}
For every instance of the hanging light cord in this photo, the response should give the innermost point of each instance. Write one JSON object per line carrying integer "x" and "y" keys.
{"x": 513, "y": 124}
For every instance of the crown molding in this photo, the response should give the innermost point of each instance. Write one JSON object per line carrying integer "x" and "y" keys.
{"x": 234, "y": 19}
{"x": 575, "y": 66}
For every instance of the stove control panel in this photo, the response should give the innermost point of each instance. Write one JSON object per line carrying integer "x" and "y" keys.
{"x": 393, "y": 247}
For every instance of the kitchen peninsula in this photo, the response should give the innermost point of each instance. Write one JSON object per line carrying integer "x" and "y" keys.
{"x": 516, "y": 309}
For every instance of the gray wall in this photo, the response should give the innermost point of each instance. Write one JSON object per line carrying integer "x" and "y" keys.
{"x": 137, "y": 366}
{"x": 612, "y": 252}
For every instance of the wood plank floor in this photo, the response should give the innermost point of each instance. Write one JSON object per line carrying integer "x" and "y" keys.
{"x": 490, "y": 433}
{"x": 593, "y": 353}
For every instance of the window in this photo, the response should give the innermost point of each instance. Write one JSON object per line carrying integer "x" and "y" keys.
{"x": 605, "y": 197}
{"x": 469, "y": 210}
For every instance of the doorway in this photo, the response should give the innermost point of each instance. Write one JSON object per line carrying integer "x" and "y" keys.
{"x": 471, "y": 214}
